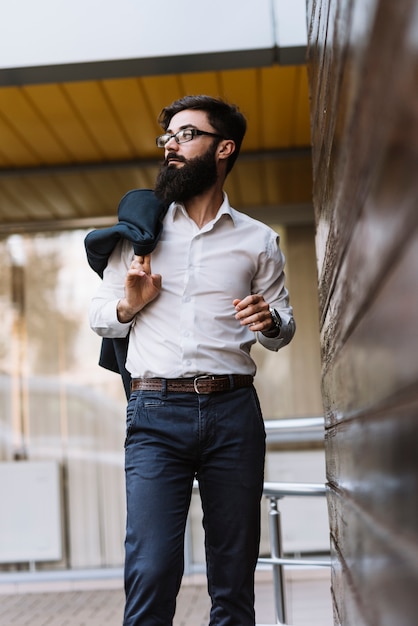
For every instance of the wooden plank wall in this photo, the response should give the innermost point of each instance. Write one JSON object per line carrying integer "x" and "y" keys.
{"x": 363, "y": 74}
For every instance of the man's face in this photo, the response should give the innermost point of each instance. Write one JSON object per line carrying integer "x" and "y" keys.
{"x": 189, "y": 168}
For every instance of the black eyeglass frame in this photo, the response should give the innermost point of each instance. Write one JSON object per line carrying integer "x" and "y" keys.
{"x": 162, "y": 140}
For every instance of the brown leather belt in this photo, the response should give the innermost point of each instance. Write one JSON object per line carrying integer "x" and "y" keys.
{"x": 200, "y": 384}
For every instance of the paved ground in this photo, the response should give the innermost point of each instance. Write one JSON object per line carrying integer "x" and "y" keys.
{"x": 100, "y": 602}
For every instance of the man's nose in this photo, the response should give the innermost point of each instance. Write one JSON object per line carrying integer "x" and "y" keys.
{"x": 171, "y": 144}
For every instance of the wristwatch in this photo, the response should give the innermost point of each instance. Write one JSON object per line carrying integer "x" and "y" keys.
{"x": 277, "y": 321}
{"x": 276, "y": 318}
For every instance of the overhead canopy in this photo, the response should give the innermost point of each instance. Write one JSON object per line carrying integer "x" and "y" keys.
{"x": 70, "y": 148}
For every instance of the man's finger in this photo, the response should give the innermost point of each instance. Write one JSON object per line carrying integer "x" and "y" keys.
{"x": 145, "y": 261}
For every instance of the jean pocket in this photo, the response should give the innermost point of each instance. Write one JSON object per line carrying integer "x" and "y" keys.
{"x": 142, "y": 409}
{"x": 131, "y": 414}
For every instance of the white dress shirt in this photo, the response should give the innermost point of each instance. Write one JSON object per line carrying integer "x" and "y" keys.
{"x": 190, "y": 328}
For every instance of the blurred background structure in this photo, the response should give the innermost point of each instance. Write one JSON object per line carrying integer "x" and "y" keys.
{"x": 76, "y": 133}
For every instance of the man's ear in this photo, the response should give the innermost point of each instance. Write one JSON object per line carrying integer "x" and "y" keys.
{"x": 225, "y": 148}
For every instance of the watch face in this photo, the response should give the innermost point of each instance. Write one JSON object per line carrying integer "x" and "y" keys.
{"x": 276, "y": 318}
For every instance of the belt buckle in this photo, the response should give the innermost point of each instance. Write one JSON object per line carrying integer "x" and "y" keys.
{"x": 196, "y": 382}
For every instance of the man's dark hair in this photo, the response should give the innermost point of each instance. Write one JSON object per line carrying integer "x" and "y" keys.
{"x": 225, "y": 118}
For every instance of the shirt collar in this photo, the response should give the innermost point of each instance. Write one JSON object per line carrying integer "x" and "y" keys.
{"x": 224, "y": 209}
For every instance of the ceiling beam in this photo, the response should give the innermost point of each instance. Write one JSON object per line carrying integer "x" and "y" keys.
{"x": 74, "y": 168}
{"x": 140, "y": 39}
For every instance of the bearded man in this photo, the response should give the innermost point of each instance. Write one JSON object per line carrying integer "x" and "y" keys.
{"x": 216, "y": 287}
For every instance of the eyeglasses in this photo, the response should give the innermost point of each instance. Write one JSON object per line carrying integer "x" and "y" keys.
{"x": 182, "y": 136}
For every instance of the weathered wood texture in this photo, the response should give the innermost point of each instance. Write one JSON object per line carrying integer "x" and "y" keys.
{"x": 363, "y": 74}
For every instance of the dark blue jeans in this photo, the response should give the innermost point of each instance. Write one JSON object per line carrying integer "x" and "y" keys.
{"x": 171, "y": 439}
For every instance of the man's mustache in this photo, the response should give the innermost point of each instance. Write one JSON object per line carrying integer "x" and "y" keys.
{"x": 173, "y": 156}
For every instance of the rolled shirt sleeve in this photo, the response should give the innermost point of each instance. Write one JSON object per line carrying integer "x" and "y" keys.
{"x": 103, "y": 308}
{"x": 270, "y": 283}
{"x": 287, "y": 330}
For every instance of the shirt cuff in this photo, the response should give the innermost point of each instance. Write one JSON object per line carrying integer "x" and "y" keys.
{"x": 284, "y": 337}
{"x": 108, "y": 325}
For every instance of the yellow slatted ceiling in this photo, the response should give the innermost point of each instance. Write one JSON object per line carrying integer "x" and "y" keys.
{"x": 56, "y": 139}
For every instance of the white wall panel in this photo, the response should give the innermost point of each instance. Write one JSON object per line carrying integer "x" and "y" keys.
{"x": 30, "y": 524}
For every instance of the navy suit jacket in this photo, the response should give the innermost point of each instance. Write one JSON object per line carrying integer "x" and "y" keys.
{"x": 140, "y": 220}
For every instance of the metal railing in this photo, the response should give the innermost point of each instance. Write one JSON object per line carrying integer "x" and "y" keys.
{"x": 296, "y": 431}
{"x": 274, "y": 492}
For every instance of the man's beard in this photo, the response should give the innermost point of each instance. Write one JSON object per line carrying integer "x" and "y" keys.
{"x": 187, "y": 181}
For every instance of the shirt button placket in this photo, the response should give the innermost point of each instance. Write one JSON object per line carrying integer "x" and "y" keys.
{"x": 188, "y": 312}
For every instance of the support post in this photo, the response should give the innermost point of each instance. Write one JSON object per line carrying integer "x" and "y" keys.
{"x": 278, "y": 570}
